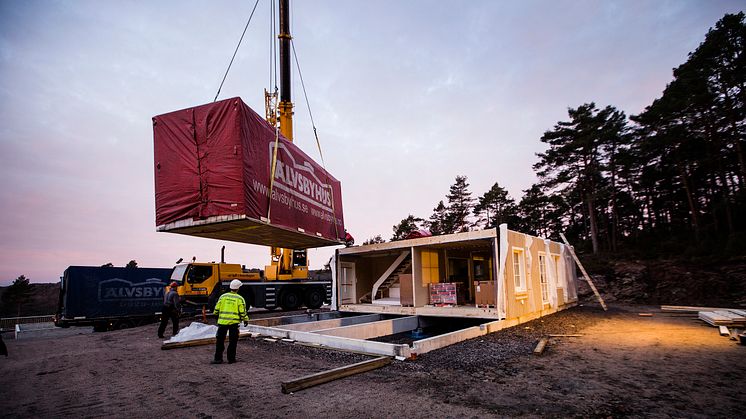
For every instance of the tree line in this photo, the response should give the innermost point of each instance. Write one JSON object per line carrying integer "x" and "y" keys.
{"x": 670, "y": 179}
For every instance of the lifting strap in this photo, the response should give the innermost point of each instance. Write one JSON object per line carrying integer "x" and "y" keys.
{"x": 273, "y": 167}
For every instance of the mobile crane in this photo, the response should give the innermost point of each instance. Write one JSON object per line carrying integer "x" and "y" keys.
{"x": 284, "y": 282}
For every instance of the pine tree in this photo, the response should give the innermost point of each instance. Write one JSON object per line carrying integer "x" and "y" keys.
{"x": 575, "y": 159}
{"x": 437, "y": 222}
{"x": 406, "y": 226}
{"x": 460, "y": 206}
{"x": 374, "y": 240}
{"x": 495, "y": 207}
{"x": 18, "y": 293}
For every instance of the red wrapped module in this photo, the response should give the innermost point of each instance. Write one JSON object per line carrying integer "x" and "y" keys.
{"x": 212, "y": 179}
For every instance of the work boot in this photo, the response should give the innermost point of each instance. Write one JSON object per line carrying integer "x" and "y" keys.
{"x": 216, "y": 361}
{"x": 231, "y": 361}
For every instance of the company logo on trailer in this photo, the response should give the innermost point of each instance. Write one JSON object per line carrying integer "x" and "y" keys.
{"x": 117, "y": 289}
{"x": 300, "y": 180}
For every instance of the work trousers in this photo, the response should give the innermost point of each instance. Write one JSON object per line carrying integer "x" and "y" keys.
{"x": 172, "y": 314}
{"x": 223, "y": 329}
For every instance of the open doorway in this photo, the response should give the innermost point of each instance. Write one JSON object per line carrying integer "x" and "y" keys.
{"x": 458, "y": 273}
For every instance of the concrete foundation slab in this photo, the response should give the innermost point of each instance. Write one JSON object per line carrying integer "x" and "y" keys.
{"x": 373, "y": 329}
{"x": 331, "y": 323}
{"x": 357, "y": 345}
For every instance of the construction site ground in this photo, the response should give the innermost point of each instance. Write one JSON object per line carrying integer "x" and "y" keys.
{"x": 622, "y": 365}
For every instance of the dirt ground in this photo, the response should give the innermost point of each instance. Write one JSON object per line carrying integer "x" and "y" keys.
{"x": 623, "y": 365}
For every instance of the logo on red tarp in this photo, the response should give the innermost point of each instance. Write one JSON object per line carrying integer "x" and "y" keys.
{"x": 300, "y": 180}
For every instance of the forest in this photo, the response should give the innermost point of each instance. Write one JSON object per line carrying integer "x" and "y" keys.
{"x": 666, "y": 182}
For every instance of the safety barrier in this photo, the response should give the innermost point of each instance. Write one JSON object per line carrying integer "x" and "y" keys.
{"x": 9, "y": 322}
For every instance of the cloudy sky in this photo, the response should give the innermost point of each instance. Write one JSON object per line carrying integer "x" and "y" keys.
{"x": 405, "y": 94}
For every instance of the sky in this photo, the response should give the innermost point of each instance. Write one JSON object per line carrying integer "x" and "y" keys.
{"x": 406, "y": 95}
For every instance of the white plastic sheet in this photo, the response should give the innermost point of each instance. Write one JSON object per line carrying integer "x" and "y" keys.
{"x": 198, "y": 330}
{"x": 194, "y": 331}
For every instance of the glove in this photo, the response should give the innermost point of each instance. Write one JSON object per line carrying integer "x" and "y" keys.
{"x": 245, "y": 322}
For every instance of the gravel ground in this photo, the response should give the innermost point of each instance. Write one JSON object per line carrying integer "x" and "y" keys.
{"x": 624, "y": 365}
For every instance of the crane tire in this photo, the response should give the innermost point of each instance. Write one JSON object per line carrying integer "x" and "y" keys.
{"x": 289, "y": 300}
{"x": 314, "y": 297}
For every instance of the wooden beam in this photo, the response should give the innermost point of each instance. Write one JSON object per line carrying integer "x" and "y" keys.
{"x": 541, "y": 345}
{"x": 585, "y": 274}
{"x": 690, "y": 308}
{"x": 335, "y": 374}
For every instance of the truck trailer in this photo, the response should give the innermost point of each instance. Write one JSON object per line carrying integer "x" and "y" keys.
{"x": 111, "y": 298}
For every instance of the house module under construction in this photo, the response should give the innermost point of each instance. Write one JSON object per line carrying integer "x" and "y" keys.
{"x": 410, "y": 297}
{"x": 491, "y": 274}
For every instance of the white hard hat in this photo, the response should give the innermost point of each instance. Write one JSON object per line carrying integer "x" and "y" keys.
{"x": 236, "y": 284}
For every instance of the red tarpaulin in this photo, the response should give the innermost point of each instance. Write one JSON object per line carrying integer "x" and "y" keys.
{"x": 212, "y": 179}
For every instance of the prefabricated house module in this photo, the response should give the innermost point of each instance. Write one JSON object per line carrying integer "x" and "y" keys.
{"x": 413, "y": 296}
{"x": 492, "y": 274}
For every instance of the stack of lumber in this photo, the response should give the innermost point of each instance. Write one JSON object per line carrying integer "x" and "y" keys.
{"x": 724, "y": 317}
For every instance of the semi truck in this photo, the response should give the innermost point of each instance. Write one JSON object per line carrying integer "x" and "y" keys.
{"x": 278, "y": 285}
{"x": 111, "y": 297}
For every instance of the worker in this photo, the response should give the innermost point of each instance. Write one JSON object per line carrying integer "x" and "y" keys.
{"x": 349, "y": 240}
{"x": 3, "y": 348}
{"x": 171, "y": 310}
{"x": 231, "y": 310}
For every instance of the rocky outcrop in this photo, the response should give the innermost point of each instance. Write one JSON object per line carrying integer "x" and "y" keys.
{"x": 671, "y": 282}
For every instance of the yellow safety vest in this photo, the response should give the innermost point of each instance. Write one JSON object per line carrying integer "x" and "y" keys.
{"x": 231, "y": 309}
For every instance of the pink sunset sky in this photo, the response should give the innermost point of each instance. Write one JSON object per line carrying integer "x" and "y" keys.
{"x": 405, "y": 95}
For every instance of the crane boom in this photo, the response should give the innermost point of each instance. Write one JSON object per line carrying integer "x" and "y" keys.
{"x": 286, "y": 263}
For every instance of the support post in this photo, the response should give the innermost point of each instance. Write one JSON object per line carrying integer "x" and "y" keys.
{"x": 585, "y": 274}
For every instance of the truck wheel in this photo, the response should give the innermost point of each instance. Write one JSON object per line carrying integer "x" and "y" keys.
{"x": 314, "y": 297}
{"x": 289, "y": 300}
{"x": 122, "y": 324}
{"x": 100, "y": 327}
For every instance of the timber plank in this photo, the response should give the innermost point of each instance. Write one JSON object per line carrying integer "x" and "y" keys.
{"x": 690, "y": 308}
{"x": 565, "y": 336}
{"x": 541, "y": 345}
{"x": 334, "y": 374}
{"x": 585, "y": 274}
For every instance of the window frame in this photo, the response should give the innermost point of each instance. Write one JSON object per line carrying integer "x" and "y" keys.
{"x": 521, "y": 287}
{"x": 544, "y": 277}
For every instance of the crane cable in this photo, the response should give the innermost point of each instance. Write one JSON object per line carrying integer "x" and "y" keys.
{"x": 316, "y": 135}
{"x": 236, "y": 51}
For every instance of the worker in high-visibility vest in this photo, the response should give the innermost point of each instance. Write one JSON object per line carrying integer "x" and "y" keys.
{"x": 231, "y": 310}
